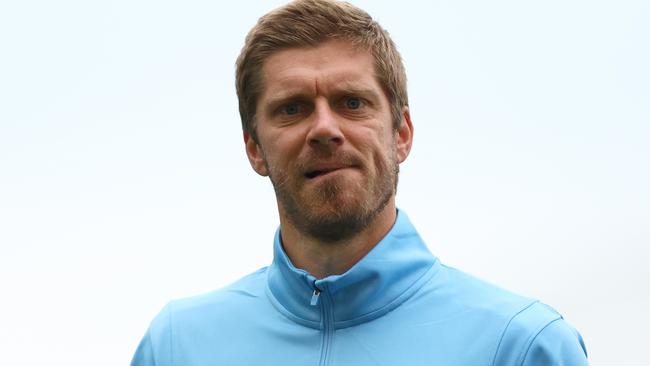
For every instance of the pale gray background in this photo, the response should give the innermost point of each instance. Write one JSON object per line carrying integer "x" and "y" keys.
{"x": 123, "y": 179}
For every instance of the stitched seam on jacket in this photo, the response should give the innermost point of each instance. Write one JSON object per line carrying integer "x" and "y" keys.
{"x": 153, "y": 351}
{"x": 288, "y": 314}
{"x": 505, "y": 330}
{"x": 396, "y": 302}
{"x": 171, "y": 335}
{"x": 532, "y": 340}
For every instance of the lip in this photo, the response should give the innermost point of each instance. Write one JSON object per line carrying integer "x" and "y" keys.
{"x": 322, "y": 170}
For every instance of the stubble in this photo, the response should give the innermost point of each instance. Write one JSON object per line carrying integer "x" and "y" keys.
{"x": 338, "y": 208}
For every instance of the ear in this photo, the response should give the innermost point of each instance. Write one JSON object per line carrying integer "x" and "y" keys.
{"x": 404, "y": 136}
{"x": 255, "y": 155}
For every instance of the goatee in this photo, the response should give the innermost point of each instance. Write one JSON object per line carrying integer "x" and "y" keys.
{"x": 337, "y": 209}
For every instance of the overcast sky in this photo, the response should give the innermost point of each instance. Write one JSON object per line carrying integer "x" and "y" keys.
{"x": 124, "y": 183}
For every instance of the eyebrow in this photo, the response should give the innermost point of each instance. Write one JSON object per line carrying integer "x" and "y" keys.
{"x": 283, "y": 97}
{"x": 298, "y": 93}
{"x": 368, "y": 93}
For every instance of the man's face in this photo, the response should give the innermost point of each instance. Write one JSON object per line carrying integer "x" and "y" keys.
{"x": 326, "y": 139}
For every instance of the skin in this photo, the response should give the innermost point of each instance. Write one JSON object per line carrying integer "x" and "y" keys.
{"x": 323, "y": 110}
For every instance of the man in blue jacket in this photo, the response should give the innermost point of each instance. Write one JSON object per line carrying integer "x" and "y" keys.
{"x": 324, "y": 109}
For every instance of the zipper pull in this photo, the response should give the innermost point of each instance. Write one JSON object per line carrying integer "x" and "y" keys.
{"x": 314, "y": 297}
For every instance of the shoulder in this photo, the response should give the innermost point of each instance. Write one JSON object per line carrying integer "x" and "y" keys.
{"x": 538, "y": 335}
{"x": 193, "y": 314}
{"x": 525, "y": 330}
{"x": 469, "y": 293}
{"x": 233, "y": 296}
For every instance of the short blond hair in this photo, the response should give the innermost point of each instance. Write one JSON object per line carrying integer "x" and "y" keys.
{"x": 308, "y": 23}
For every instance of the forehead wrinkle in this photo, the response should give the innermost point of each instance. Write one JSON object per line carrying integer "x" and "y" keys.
{"x": 289, "y": 87}
{"x": 285, "y": 82}
{"x": 351, "y": 82}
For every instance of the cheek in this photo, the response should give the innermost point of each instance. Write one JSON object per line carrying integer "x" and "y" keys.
{"x": 384, "y": 160}
{"x": 280, "y": 154}
{"x": 383, "y": 146}
{"x": 380, "y": 156}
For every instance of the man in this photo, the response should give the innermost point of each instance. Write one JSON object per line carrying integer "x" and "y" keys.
{"x": 323, "y": 102}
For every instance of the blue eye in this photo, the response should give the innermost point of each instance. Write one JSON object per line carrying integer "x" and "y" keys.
{"x": 353, "y": 103}
{"x": 291, "y": 109}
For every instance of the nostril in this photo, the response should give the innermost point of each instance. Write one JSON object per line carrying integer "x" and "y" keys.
{"x": 326, "y": 140}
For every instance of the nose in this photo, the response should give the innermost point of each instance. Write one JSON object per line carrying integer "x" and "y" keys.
{"x": 325, "y": 129}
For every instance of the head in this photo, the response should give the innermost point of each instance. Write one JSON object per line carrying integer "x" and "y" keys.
{"x": 308, "y": 23}
{"x": 322, "y": 96}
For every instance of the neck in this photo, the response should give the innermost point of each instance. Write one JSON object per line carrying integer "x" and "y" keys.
{"x": 323, "y": 259}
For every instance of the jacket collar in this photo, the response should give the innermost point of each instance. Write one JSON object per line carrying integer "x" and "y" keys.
{"x": 382, "y": 280}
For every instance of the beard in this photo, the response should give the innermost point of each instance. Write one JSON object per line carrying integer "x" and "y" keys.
{"x": 337, "y": 208}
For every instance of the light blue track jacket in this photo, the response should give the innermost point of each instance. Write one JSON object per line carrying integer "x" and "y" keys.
{"x": 397, "y": 306}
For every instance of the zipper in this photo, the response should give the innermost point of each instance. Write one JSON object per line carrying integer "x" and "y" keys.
{"x": 327, "y": 316}
{"x": 314, "y": 297}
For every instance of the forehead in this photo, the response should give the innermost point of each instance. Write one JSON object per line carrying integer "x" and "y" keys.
{"x": 331, "y": 66}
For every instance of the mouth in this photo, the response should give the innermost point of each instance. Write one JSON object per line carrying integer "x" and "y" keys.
{"x": 319, "y": 172}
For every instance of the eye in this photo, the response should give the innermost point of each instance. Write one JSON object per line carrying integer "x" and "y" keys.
{"x": 291, "y": 109}
{"x": 353, "y": 103}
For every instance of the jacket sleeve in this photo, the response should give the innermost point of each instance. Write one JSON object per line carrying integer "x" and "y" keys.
{"x": 144, "y": 354}
{"x": 558, "y": 344}
{"x": 155, "y": 349}
{"x": 539, "y": 336}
